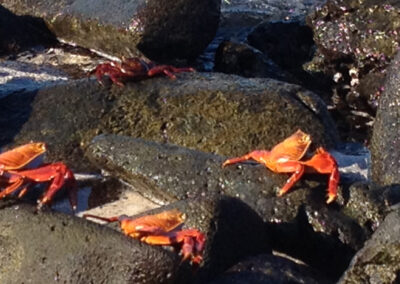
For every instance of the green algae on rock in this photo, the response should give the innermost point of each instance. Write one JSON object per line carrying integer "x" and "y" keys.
{"x": 224, "y": 114}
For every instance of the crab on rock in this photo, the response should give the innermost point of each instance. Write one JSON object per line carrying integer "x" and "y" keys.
{"x": 285, "y": 158}
{"x": 134, "y": 69}
{"x": 14, "y": 177}
{"x": 162, "y": 229}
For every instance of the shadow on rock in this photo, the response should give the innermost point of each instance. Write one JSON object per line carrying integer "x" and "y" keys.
{"x": 47, "y": 247}
{"x": 18, "y": 33}
{"x": 15, "y": 112}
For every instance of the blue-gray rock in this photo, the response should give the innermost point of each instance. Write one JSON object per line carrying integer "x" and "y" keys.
{"x": 385, "y": 142}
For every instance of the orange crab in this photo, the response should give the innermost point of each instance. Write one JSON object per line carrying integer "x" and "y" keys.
{"x": 285, "y": 158}
{"x": 134, "y": 69}
{"x": 162, "y": 229}
{"x": 13, "y": 175}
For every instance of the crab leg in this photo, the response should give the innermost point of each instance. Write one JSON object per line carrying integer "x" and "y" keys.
{"x": 258, "y": 155}
{"x": 324, "y": 163}
{"x": 167, "y": 70}
{"x": 105, "y": 219}
{"x": 57, "y": 173}
{"x": 16, "y": 182}
{"x": 290, "y": 167}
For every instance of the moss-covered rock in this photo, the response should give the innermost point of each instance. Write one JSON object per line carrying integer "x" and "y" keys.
{"x": 225, "y": 114}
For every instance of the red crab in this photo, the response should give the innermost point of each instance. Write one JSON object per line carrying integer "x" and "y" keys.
{"x": 14, "y": 177}
{"x": 162, "y": 229}
{"x": 134, "y": 69}
{"x": 285, "y": 158}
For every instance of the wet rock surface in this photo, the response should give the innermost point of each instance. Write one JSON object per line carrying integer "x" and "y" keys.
{"x": 269, "y": 269}
{"x": 378, "y": 260}
{"x": 201, "y": 111}
{"x": 386, "y": 135}
{"x": 160, "y": 29}
{"x": 46, "y": 247}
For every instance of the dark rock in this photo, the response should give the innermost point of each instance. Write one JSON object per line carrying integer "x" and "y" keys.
{"x": 356, "y": 40}
{"x": 162, "y": 30}
{"x": 300, "y": 223}
{"x": 320, "y": 236}
{"x": 269, "y": 269}
{"x": 226, "y": 114}
{"x": 288, "y": 44}
{"x": 385, "y": 143}
{"x": 18, "y": 33}
{"x": 379, "y": 260}
{"x": 244, "y": 60}
{"x": 168, "y": 172}
{"x": 233, "y": 231}
{"x": 46, "y": 247}
{"x": 368, "y": 204}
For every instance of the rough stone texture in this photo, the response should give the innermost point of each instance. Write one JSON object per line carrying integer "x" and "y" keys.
{"x": 385, "y": 143}
{"x": 300, "y": 223}
{"x": 168, "y": 172}
{"x": 361, "y": 36}
{"x": 379, "y": 260}
{"x": 225, "y": 114}
{"x": 47, "y": 247}
{"x": 369, "y": 204}
{"x": 162, "y": 30}
{"x": 18, "y": 33}
{"x": 269, "y": 269}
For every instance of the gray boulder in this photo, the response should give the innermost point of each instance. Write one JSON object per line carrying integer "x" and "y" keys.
{"x": 385, "y": 143}
{"x": 161, "y": 30}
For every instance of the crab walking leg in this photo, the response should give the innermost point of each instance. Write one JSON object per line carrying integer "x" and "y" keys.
{"x": 16, "y": 182}
{"x": 323, "y": 162}
{"x": 258, "y": 155}
{"x": 105, "y": 219}
{"x": 290, "y": 167}
{"x": 192, "y": 242}
{"x": 56, "y": 173}
{"x": 168, "y": 70}
{"x": 333, "y": 184}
